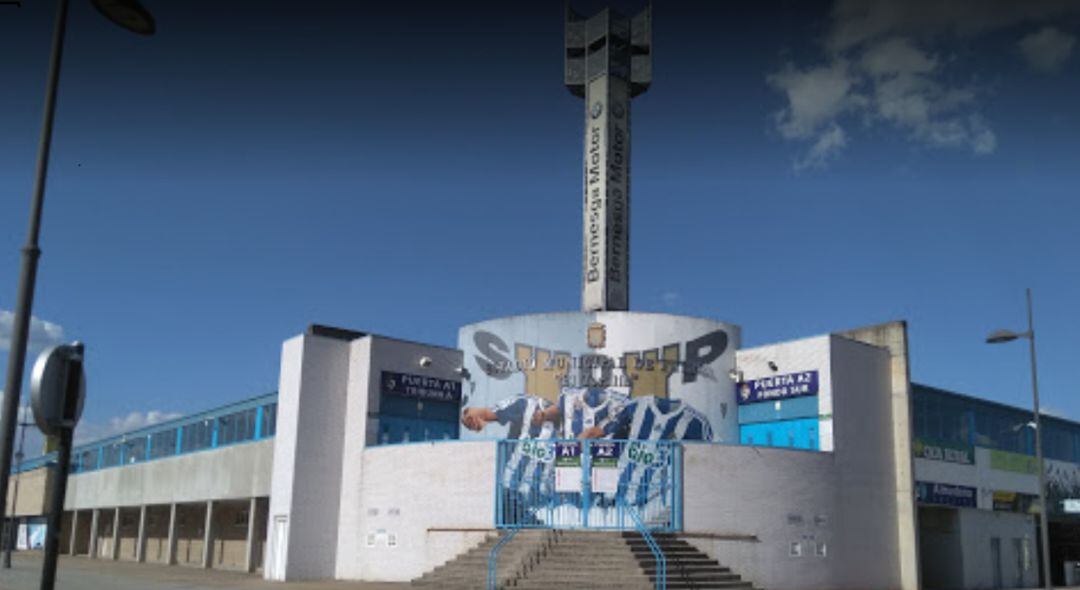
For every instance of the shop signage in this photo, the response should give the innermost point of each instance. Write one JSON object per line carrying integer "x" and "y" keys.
{"x": 420, "y": 387}
{"x": 778, "y": 387}
{"x": 945, "y": 494}
{"x": 1014, "y": 462}
{"x": 1015, "y": 502}
{"x": 949, "y": 452}
{"x": 1071, "y": 505}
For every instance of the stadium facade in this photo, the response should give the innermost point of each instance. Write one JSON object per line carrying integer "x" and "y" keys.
{"x": 828, "y": 469}
{"x": 806, "y": 464}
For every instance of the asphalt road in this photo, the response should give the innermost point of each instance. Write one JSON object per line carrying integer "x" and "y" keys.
{"x": 81, "y": 573}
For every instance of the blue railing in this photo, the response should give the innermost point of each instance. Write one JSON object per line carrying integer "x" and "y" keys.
{"x": 493, "y": 560}
{"x": 587, "y": 484}
{"x": 658, "y": 553}
{"x": 241, "y": 422}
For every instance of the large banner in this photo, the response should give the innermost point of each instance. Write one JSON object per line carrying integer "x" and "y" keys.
{"x": 610, "y": 375}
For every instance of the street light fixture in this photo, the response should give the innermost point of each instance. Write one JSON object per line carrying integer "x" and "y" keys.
{"x": 130, "y": 15}
{"x": 1001, "y": 336}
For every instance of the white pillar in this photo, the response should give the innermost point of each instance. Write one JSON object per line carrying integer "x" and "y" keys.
{"x": 208, "y": 536}
{"x": 114, "y": 554}
{"x": 95, "y": 519}
{"x": 140, "y": 541}
{"x": 72, "y": 541}
{"x": 249, "y": 551}
{"x": 170, "y": 548}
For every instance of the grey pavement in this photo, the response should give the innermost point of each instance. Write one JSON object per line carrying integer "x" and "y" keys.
{"x": 81, "y": 573}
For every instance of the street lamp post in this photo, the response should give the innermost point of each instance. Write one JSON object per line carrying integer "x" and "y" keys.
{"x": 130, "y": 15}
{"x": 999, "y": 337}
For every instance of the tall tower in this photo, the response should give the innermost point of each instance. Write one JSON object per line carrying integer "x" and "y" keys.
{"x": 608, "y": 62}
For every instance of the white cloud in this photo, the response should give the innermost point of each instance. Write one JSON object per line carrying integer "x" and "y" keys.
{"x": 877, "y": 69}
{"x": 1047, "y": 49}
{"x": 855, "y": 22}
{"x": 671, "y": 298}
{"x": 91, "y": 431}
{"x": 42, "y": 333}
{"x": 824, "y": 150}
{"x": 815, "y": 97}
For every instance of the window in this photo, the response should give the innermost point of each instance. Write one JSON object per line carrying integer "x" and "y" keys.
{"x": 197, "y": 436}
{"x": 269, "y": 425}
{"x": 111, "y": 455}
{"x": 236, "y": 427}
{"x": 135, "y": 450}
{"x": 86, "y": 460}
{"x": 163, "y": 444}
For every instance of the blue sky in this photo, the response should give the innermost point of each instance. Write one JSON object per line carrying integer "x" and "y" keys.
{"x": 798, "y": 168}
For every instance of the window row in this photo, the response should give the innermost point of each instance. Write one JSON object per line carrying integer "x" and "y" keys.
{"x": 944, "y": 418}
{"x": 240, "y": 426}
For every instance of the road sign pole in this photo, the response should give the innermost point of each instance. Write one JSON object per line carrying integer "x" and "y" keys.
{"x": 56, "y": 510}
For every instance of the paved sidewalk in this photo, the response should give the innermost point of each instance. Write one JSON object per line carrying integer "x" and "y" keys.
{"x": 80, "y": 573}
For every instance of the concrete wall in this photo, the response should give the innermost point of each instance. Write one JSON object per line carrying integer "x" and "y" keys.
{"x": 190, "y": 532}
{"x": 841, "y": 504}
{"x": 306, "y": 482}
{"x": 157, "y": 533}
{"x": 763, "y": 500}
{"x": 433, "y": 501}
{"x": 230, "y": 535}
{"x": 866, "y": 476}
{"x": 33, "y": 493}
{"x": 232, "y": 472}
{"x": 892, "y": 336}
{"x": 978, "y": 529}
{"x": 368, "y": 358}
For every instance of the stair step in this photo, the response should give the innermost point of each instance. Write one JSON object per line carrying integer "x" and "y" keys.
{"x": 602, "y": 560}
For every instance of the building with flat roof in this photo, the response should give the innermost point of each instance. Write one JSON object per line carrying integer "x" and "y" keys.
{"x": 807, "y": 464}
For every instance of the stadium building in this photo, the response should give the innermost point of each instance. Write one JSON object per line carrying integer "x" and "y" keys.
{"x": 808, "y": 464}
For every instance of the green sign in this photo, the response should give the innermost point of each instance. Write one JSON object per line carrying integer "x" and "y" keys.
{"x": 951, "y": 452}
{"x": 1014, "y": 462}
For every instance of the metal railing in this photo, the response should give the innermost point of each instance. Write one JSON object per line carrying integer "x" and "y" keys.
{"x": 658, "y": 553}
{"x": 493, "y": 560}
{"x": 587, "y": 484}
{"x": 241, "y": 422}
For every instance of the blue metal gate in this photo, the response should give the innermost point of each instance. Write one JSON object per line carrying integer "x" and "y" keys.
{"x": 589, "y": 484}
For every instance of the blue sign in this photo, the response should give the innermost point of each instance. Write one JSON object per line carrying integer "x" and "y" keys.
{"x": 604, "y": 454}
{"x": 778, "y": 387}
{"x": 568, "y": 454}
{"x": 420, "y": 387}
{"x": 945, "y": 494}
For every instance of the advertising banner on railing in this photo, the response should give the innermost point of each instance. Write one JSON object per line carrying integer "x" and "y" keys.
{"x": 600, "y": 375}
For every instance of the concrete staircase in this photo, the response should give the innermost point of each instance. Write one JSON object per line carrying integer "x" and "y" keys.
{"x": 542, "y": 560}
{"x": 468, "y": 571}
{"x": 687, "y": 567}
